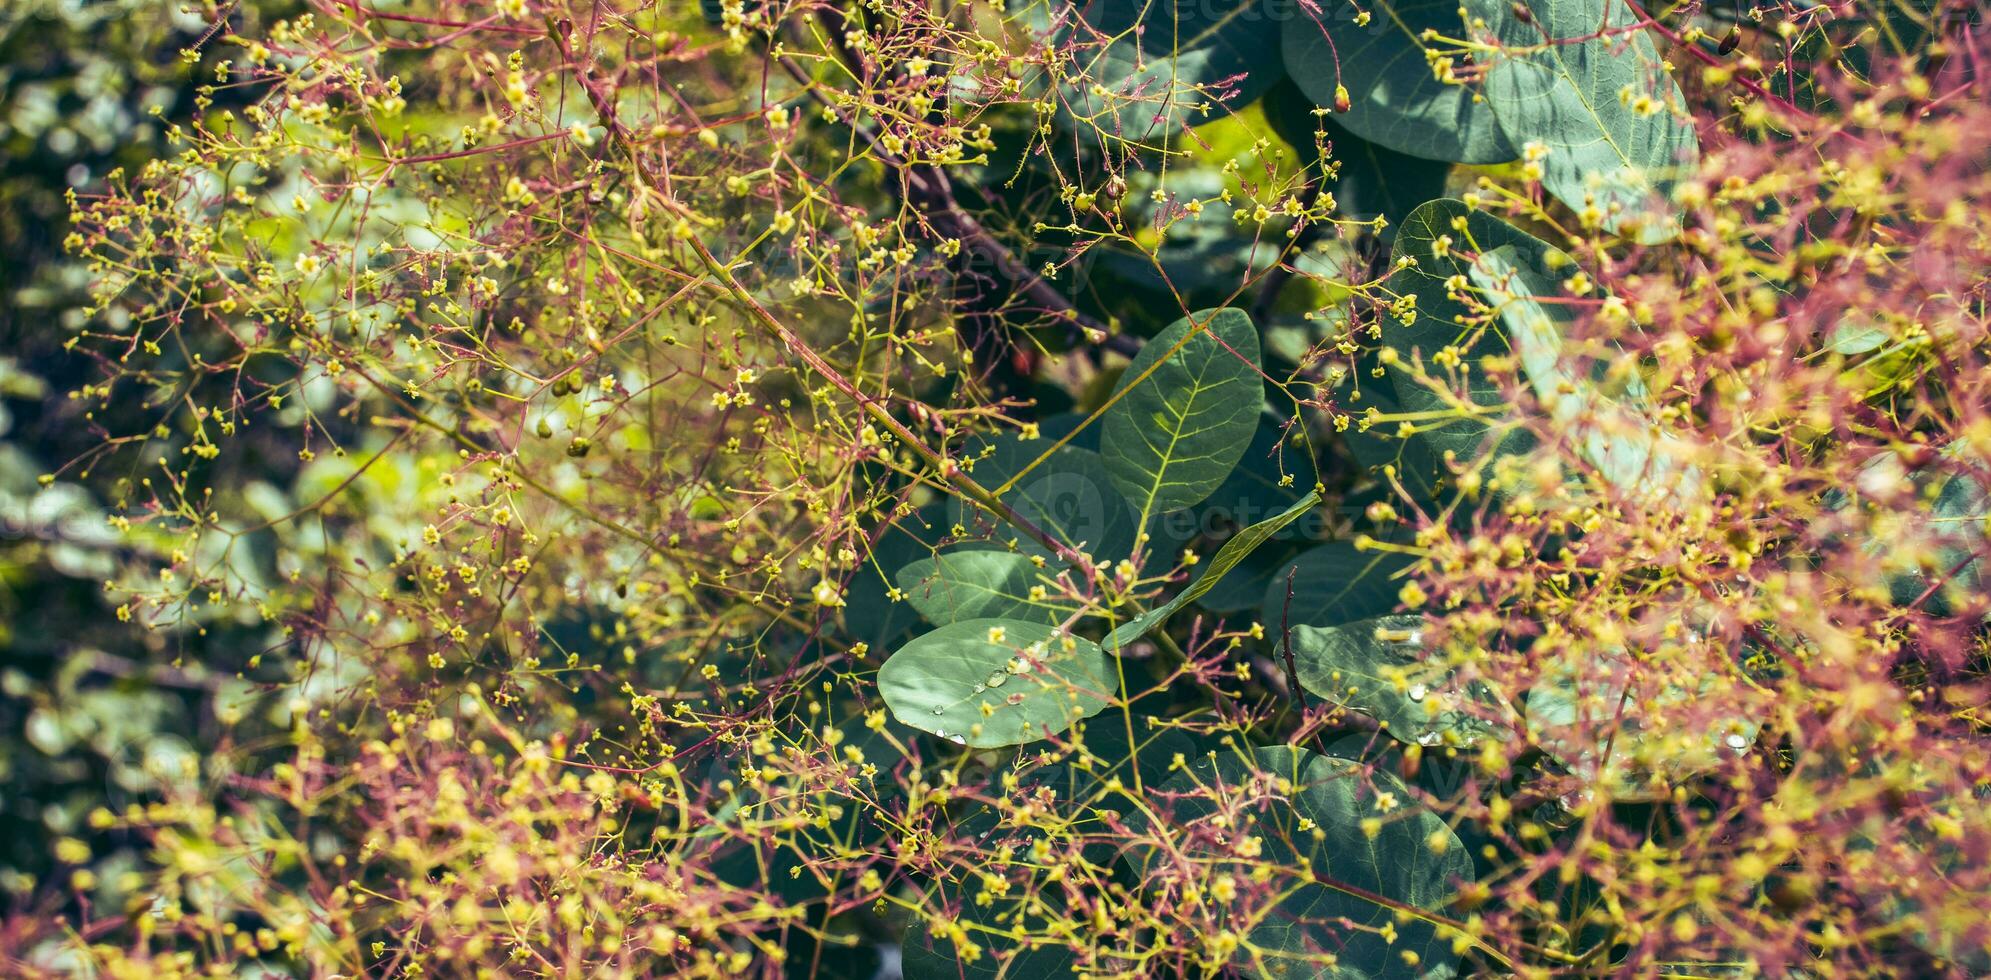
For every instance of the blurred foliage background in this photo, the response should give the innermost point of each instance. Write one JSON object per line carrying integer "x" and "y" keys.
{"x": 89, "y": 717}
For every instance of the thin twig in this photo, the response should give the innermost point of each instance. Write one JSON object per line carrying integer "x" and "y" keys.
{"x": 929, "y": 190}
{"x": 1286, "y": 643}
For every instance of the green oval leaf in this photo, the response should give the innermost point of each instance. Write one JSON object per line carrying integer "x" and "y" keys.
{"x": 1616, "y": 128}
{"x": 1385, "y": 668}
{"x": 962, "y": 585}
{"x": 1394, "y": 97}
{"x": 1187, "y": 408}
{"x": 992, "y": 682}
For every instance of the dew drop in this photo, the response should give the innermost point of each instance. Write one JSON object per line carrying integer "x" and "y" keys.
{"x": 957, "y": 740}
{"x": 1418, "y": 691}
{"x": 998, "y": 678}
{"x": 979, "y": 689}
{"x": 1429, "y": 739}
{"x": 1737, "y": 742}
{"x": 939, "y": 709}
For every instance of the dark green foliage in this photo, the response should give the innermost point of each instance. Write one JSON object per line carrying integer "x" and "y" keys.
{"x": 1393, "y": 97}
{"x": 1356, "y": 847}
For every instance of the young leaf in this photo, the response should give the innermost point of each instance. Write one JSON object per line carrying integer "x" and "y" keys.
{"x": 1334, "y": 583}
{"x": 1187, "y": 408}
{"x": 1233, "y": 551}
{"x": 960, "y": 585}
{"x": 991, "y": 682}
{"x": 1325, "y": 926}
{"x": 1394, "y": 97}
{"x": 1582, "y": 80}
{"x": 1383, "y": 668}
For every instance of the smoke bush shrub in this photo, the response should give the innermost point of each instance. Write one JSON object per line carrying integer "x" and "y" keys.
{"x": 1133, "y": 489}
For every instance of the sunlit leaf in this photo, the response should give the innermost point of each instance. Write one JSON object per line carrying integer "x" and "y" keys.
{"x": 1581, "y": 79}
{"x": 1629, "y": 452}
